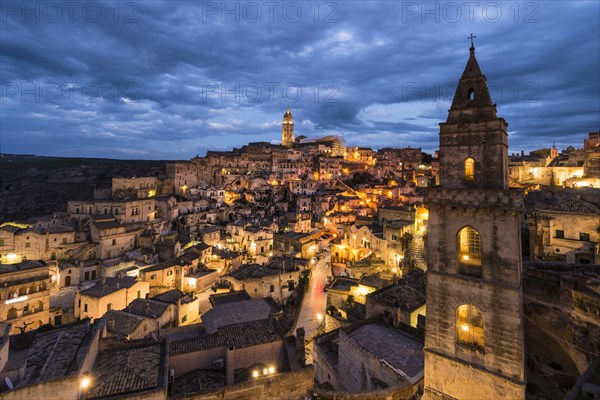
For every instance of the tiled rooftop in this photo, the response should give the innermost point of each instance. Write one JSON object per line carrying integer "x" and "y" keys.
{"x": 171, "y": 296}
{"x": 253, "y": 271}
{"x": 408, "y": 293}
{"x": 241, "y": 335}
{"x": 373, "y": 281}
{"x": 571, "y": 205}
{"x": 127, "y": 370}
{"x": 147, "y": 308}
{"x": 108, "y": 286}
{"x": 231, "y": 297}
{"x": 235, "y": 313}
{"x": 122, "y": 323}
{"x": 160, "y": 266}
{"x": 22, "y": 266}
{"x": 54, "y": 354}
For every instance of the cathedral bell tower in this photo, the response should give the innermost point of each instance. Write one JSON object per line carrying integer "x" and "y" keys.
{"x": 287, "y": 129}
{"x": 474, "y": 345}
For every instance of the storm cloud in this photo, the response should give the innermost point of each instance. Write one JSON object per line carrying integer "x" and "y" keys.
{"x": 172, "y": 79}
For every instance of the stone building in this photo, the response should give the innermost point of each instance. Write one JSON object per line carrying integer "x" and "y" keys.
{"x": 350, "y": 360}
{"x": 564, "y": 228}
{"x": 230, "y": 350}
{"x": 24, "y": 295}
{"x": 109, "y": 294}
{"x": 126, "y": 211}
{"x": 20, "y": 242}
{"x": 140, "y": 187}
{"x": 287, "y": 129}
{"x": 55, "y": 365}
{"x": 113, "y": 239}
{"x": 186, "y": 306}
{"x": 400, "y": 303}
{"x": 277, "y": 280}
{"x": 295, "y": 244}
{"x": 474, "y": 346}
{"x": 140, "y": 319}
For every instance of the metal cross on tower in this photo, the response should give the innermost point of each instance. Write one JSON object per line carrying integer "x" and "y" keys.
{"x": 472, "y": 37}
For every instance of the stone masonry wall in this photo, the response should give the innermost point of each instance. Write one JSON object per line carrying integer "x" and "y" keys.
{"x": 286, "y": 386}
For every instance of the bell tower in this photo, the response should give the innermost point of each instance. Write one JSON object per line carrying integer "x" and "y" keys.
{"x": 474, "y": 340}
{"x": 287, "y": 129}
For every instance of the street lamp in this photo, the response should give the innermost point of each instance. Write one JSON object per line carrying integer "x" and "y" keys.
{"x": 85, "y": 381}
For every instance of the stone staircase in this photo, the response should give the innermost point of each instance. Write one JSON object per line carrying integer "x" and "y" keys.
{"x": 416, "y": 254}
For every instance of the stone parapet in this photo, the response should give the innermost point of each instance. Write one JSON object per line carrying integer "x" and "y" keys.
{"x": 475, "y": 198}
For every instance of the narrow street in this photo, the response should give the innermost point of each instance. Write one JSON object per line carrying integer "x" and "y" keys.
{"x": 315, "y": 299}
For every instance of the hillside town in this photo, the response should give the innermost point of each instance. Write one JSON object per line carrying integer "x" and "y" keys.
{"x": 312, "y": 269}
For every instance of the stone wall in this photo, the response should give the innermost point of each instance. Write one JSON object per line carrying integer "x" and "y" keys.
{"x": 285, "y": 386}
{"x": 409, "y": 392}
{"x": 466, "y": 381}
{"x": 357, "y": 367}
{"x": 562, "y": 302}
{"x": 59, "y": 389}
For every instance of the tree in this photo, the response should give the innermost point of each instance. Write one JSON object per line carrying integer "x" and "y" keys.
{"x": 24, "y": 327}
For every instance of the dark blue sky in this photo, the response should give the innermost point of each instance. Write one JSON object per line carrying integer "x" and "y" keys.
{"x": 169, "y": 80}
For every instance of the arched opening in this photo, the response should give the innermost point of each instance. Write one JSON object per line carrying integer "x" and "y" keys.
{"x": 12, "y": 313}
{"x": 469, "y": 169}
{"x": 469, "y": 326}
{"x": 68, "y": 281}
{"x": 22, "y": 291}
{"x": 469, "y": 251}
{"x": 471, "y": 94}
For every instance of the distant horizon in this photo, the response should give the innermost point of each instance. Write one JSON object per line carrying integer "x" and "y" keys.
{"x": 510, "y": 152}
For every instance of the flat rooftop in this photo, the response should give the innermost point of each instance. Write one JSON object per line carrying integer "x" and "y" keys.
{"x": 397, "y": 349}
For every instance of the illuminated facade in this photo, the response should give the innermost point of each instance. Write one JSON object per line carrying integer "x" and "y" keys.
{"x": 287, "y": 129}
{"x": 24, "y": 295}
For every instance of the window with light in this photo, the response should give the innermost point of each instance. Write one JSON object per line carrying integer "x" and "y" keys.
{"x": 470, "y": 170}
{"x": 469, "y": 326}
{"x": 469, "y": 246}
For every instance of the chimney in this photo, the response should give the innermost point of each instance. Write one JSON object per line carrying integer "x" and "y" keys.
{"x": 147, "y": 309}
{"x": 110, "y": 324}
{"x": 229, "y": 366}
{"x": 300, "y": 342}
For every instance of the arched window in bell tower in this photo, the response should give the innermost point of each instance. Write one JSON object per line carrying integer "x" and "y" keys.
{"x": 469, "y": 252}
{"x": 471, "y": 94}
{"x": 469, "y": 326}
{"x": 469, "y": 169}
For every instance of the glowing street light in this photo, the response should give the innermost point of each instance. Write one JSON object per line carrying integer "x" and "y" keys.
{"x": 319, "y": 317}
{"x": 255, "y": 374}
{"x": 85, "y": 382}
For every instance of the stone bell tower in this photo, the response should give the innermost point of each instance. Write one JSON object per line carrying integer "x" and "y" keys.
{"x": 474, "y": 341}
{"x": 287, "y": 129}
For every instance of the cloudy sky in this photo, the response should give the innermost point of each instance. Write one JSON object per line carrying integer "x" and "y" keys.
{"x": 169, "y": 80}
